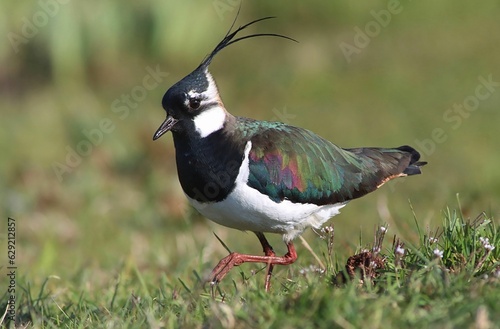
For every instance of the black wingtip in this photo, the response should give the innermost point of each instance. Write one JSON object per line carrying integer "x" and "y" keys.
{"x": 414, "y": 165}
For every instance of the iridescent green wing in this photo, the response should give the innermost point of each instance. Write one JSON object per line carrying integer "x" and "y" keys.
{"x": 289, "y": 163}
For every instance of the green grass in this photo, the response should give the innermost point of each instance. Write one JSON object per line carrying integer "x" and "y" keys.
{"x": 118, "y": 225}
{"x": 416, "y": 289}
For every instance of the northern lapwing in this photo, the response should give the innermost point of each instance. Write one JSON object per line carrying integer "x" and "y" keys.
{"x": 265, "y": 177}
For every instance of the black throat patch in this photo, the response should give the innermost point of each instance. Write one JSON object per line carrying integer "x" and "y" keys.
{"x": 208, "y": 167}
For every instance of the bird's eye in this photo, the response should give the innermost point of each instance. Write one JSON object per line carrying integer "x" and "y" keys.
{"x": 194, "y": 103}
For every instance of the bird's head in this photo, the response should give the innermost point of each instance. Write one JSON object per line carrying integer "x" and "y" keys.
{"x": 194, "y": 103}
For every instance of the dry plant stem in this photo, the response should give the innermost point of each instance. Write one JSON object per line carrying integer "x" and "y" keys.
{"x": 308, "y": 247}
{"x": 270, "y": 258}
{"x": 481, "y": 260}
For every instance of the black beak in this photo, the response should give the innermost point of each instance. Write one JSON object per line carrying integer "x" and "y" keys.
{"x": 165, "y": 126}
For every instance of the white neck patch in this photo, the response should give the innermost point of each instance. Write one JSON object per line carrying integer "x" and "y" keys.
{"x": 210, "y": 121}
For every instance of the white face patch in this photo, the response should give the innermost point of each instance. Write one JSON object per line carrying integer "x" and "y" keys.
{"x": 211, "y": 94}
{"x": 210, "y": 121}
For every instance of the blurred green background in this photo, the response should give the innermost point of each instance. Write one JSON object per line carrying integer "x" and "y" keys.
{"x": 91, "y": 191}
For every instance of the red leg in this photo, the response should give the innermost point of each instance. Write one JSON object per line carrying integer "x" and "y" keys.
{"x": 268, "y": 251}
{"x": 236, "y": 259}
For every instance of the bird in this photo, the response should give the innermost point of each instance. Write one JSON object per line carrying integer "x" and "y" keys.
{"x": 262, "y": 176}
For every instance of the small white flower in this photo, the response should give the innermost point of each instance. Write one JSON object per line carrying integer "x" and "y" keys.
{"x": 376, "y": 250}
{"x": 486, "y": 243}
{"x": 484, "y": 240}
{"x": 489, "y": 247}
{"x": 432, "y": 240}
{"x": 399, "y": 250}
{"x": 319, "y": 270}
{"x": 438, "y": 253}
{"x": 311, "y": 268}
{"x": 383, "y": 229}
{"x": 327, "y": 229}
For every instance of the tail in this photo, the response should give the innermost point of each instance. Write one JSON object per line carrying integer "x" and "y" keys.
{"x": 413, "y": 167}
{"x": 383, "y": 164}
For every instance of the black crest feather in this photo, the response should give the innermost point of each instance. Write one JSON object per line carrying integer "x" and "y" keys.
{"x": 228, "y": 38}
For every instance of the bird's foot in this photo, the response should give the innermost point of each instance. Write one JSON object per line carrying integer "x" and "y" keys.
{"x": 224, "y": 266}
{"x": 236, "y": 259}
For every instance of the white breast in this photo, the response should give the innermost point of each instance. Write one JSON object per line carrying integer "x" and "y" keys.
{"x": 246, "y": 208}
